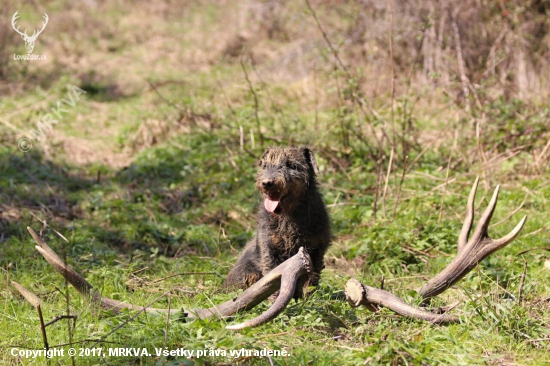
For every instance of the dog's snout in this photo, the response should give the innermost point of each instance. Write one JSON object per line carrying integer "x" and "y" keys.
{"x": 267, "y": 183}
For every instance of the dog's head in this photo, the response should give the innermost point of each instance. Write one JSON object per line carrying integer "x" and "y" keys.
{"x": 284, "y": 176}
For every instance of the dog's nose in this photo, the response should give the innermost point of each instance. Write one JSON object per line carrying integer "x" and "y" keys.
{"x": 267, "y": 183}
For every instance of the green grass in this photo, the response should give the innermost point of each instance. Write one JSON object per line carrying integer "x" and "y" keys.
{"x": 124, "y": 223}
{"x": 145, "y": 187}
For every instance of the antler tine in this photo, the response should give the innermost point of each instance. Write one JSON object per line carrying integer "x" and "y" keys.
{"x": 467, "y": 226}
{"x": 498, "y": 243}
{"x": 14, "y": 19}
{"x": 483, "y": 224}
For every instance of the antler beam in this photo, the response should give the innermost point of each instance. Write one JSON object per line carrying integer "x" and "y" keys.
{"x": 358, "y": 294}
{"x": 283, "y": 277}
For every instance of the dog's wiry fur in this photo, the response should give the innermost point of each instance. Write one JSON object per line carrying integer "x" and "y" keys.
{"x": 286, "y": 175}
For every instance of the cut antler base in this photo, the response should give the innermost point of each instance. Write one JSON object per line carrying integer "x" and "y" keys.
{"x": 283, "y": 278}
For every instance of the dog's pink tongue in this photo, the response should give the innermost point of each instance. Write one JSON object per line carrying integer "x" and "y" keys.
{"x": 270, "y": 205}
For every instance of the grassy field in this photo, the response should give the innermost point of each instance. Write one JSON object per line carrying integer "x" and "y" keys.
{"x": 151, "y": 174}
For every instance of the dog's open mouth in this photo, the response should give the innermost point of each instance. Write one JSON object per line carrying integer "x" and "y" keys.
{"x": 272, "y": 201}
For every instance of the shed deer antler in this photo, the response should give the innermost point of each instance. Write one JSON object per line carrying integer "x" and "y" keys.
{"x": 29, "y": 40}
{"x": 283, "y": 277}
{"x": 473, "y": 251}
{"x": 470, "y": 253}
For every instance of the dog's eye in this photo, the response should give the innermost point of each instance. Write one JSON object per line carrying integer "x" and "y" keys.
{"x": 290, "y": 165}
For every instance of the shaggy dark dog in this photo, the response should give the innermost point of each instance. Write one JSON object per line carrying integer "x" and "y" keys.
{"x": 292, "y": 215}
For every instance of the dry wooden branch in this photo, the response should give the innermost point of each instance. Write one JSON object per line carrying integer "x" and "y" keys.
{"x": 283, "y": 277}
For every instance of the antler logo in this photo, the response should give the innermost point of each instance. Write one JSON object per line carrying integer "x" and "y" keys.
{"x": 29, "y": 40}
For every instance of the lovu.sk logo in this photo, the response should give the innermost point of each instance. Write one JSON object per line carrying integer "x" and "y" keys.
{"x": 29, "y": 40}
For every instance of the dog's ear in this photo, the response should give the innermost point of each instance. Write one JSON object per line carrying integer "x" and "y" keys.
{"x": 310, "y": 158}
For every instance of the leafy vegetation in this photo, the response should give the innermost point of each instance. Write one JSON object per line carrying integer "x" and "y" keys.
{"x": 150, "y": 177}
